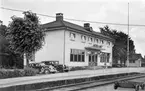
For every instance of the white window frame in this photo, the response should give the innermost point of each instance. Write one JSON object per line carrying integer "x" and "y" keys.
{"x": 72, "y": 36}
{"x": 83, "y": 38}
{"x": 90, "y": 41}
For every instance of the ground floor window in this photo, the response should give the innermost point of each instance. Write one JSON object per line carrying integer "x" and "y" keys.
{"x": 132, "y": 61}
{"x": 77, "y": 55}
{"x": 93, "y": 57}
{"x": 102, "y": 57}
{"x": 105, "y": 57}
{"x": 108, "y": 57}
{"x": 89, "y": 58}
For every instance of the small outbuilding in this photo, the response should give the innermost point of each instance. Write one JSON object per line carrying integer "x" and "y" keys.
{"x": 135, "y": 60}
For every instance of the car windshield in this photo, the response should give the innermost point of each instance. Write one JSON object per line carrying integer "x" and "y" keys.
{"x": 42, "y": 64}
{"x": 51, "y": 62}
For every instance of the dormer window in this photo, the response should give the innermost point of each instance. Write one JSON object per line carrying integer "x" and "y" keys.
{"x": 83, "y": 38}
{"x": 72, "y": 36}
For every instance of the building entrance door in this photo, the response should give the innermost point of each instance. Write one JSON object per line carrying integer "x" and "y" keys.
{"x": 93, "y": 58}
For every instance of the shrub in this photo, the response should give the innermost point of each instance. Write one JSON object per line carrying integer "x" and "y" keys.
{"x": 18, "y": 73}
{"x": 2, "y": 74}
{"x": 30, "y": 72}
{"x": 10, "y": 73}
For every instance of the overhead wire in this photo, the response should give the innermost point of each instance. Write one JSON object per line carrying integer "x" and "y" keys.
{"x": 107, "y": 23}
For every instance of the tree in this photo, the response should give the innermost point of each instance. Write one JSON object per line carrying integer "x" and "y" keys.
{"x": 3, "y": 43}
{"x": 8, "y": 58}
{"x": 3, "y": 40}
{"x": 25, "y": 34}
{"x": 120, "y": 46}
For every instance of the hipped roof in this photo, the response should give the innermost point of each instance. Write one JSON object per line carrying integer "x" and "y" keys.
{"x": 59, "y": 24}
{"x": 135, "y": 57}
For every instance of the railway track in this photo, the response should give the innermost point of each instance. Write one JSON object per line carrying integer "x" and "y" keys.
{"x": 89, "y": 84}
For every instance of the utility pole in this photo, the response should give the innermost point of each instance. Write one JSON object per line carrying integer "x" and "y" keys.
{"x": 127, "y": 63}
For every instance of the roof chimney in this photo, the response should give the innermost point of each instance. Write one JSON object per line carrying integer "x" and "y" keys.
{"x": 59, "y": 16}
{"x": 1, "y": 22}
{"x": 87, "y": 26}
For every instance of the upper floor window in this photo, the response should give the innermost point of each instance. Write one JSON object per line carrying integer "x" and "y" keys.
{"x": 108, "y": 43}
{"x": 83, "y": 38}
{"x": 72, "y": 36}
{"x": 90, "y": 39}
{"x": 96, "y": 40}
{"x": 99, "y": 41}
{"x": 102, "y": 41}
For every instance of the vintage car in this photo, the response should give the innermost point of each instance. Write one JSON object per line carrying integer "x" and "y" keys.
{"x": 130, "y": 84}
{"x": 35, "y": 66}
{"x": 59, "y": 67}
{"x": 43, "y": 68}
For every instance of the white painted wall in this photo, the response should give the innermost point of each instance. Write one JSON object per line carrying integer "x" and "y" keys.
{"x": 136, "y": 64}
{"x": 78, "y": 44}
{"x": 108, "y": 49}
{"x": 53, "y": 48}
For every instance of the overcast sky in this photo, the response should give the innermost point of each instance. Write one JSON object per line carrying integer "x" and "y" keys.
{"x": 113, "y": 11}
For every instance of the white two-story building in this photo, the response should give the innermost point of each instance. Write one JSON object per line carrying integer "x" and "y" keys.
{"x": 74, "y": 45}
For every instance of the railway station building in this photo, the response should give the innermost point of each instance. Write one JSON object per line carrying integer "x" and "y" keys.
{"x": 74, "y": 45}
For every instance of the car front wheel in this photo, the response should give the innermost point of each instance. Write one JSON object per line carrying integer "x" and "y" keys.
{"x": 115, "y": 86}
{"x": 46, "y": 71}
{"x": 137, "y": 88}
{"x": 65, "y": 70}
